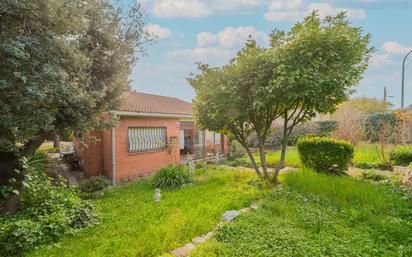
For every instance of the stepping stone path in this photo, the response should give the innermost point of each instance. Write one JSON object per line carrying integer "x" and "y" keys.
{"x": 226, "y": 217}
{"x": 230, "y": 215}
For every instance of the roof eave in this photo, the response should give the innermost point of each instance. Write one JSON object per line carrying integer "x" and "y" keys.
{"x": 156, "y": 115}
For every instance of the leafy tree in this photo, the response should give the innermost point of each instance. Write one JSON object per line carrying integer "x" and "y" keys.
{"x": 237, "y": 98}
{"x": 321, "y": 60}
{"x": 62, "y": 63}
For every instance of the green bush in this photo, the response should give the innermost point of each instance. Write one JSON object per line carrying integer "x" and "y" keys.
{"x": 401, "y": 156}
{"x": 171, "y": 176}
{"x": 373, "y": 124}
{"x": 235, "y": 150}
{"x": 243, "y": 161}
{"x": 373, "y": 165}
{"x": 49, "y": 209}
{"x": 374, "y": 176}
{"x": 317, "y": 128}
{"x": 93, "y": 184}
{"x": 325, "y": 154}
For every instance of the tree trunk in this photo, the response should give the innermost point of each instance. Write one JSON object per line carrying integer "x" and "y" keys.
{"x": 9, "y": 162}
{"x": 283, "y": 151}
{"x": 263, "y": 159}
{"x": 56, "y": 140}
{"x": 252, "y": 159}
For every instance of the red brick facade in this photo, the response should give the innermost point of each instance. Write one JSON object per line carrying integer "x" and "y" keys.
{"x": 97, "y": 157}
{"x": 140, "y": 110}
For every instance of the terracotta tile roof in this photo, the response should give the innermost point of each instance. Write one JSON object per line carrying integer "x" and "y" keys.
{"x": 141, "y": 102}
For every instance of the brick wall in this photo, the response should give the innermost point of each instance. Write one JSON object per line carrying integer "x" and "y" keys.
{"x": 92, "y": 155}
{"x": 137, "y": 164}
{"x": 97, "y": 158}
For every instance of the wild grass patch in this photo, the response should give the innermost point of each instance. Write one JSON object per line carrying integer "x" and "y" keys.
{"x": 320, "y": 215}
{"x": 131, "y": 224}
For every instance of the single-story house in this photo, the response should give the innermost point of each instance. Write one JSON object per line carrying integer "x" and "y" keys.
{"x": 152, "y": 131}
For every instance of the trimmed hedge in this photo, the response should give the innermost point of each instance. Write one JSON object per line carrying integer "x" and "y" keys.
{"x": 401, "y": 156}
{"x": 325, "y": 154}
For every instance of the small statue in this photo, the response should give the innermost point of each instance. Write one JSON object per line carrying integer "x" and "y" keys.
{"x": 191, "y": 165}
{"x": 157, "y": 195}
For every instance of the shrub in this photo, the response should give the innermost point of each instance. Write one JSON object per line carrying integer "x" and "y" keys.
{"x": 327, "y": 127}
{"x": 93, "y": 184}
{"x": 318, "y": 128}
{"x": 374, "y": 176}
{"x": 325, "y": 154}
{"x": 374, "y": 122}
{"x": 244, "y": 162}
{"x": 401, "y": 156}
{"x": 373, "y": 165}
{"x": 171, "y": 176}
{"x": 49, "y": 209}
{"x": 235, "y": 150}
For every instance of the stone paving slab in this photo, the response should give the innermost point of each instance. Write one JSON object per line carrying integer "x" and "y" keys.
{"x": 183, "y": 251}
{"x": 226, "y": 217}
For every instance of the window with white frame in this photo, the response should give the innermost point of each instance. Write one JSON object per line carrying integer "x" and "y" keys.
{"x": 142, "y": 139}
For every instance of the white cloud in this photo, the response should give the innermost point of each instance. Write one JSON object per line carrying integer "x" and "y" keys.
{"x": 158, "y": 31}
{"x": 180, "y": 8}
{"x": 379, "y": 60}
{"x": 392, "y": 47}
{"x": 211, "y": 55}
{"x": 231, "y": 37}
{"x": 282, "y": 4}
{"x": 326, "y": 9}
{"x": 295, "y": 10}
{"x": 284, "y": 15}
{"x": 198, "y": 8}
{"x": 205, "y": 38}
{"x": 229, "y": 5}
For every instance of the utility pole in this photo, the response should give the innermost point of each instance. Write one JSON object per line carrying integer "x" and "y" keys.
{"x": 384, "y": 94}
{"x": 403, "y": 79}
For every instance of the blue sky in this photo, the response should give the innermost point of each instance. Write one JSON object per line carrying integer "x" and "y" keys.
{"x": 212, "y": 31}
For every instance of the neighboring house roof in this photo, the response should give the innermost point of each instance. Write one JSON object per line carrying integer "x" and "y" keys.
{"x": 152, "y": 105}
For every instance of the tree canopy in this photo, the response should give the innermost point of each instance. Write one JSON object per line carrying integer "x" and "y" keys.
{"x": 62, "y": 63}
{"x": 309, "y": 70}
{"x": 237, "y": 98}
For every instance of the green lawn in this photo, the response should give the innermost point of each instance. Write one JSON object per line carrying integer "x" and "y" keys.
{"x": 364, "y": 153}
{"x": 132, "y": 225}
{"x": 319, "y": 215}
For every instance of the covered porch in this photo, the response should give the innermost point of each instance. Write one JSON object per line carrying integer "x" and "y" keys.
{"x": 200, "y": 144}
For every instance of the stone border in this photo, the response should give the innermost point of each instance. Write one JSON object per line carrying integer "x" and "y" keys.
{"x": 226, "y": 217}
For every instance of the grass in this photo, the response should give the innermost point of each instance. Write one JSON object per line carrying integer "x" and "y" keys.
{"x": 319, "y": 215}
{"x": 132, "y": 225}
{"x": 47, "y": 147}
{"x": 272, "y": 159}
{"x": 364, "y": 154}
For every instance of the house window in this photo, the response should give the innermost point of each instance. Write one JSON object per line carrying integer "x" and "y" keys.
{"x": 144, "y": 139}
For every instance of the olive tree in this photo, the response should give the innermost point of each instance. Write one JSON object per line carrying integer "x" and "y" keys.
{"x": 320, "y": 63}
{"x": 237, "y": 98}
{"x": 62, "y": 63}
